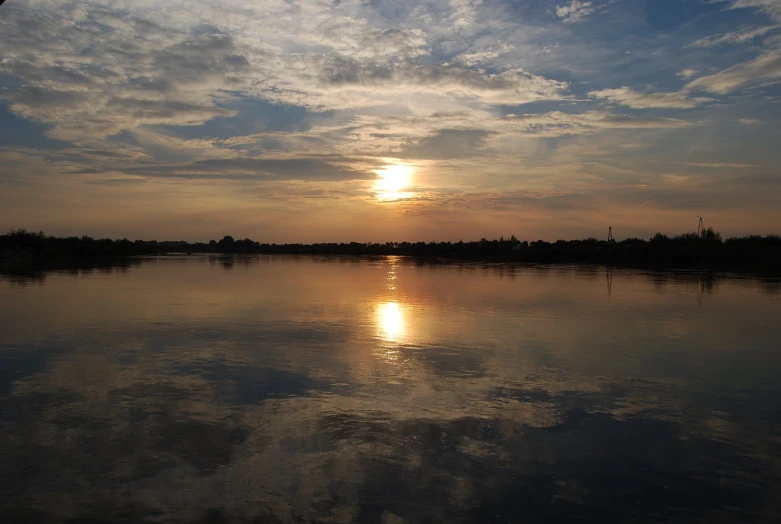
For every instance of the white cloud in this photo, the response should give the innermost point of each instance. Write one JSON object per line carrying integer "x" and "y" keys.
{"x": 483, "y": 56}
{"x": 464, "y": 12}
{"x": 687, "y": 73}
{"x": 637, "y": 100}
{"x": 389, "y": 135}
{"x": 749, "y": 121}
{"x": 93, "y": 72}
{"x": 590, "y": 120}
{"x": 763, "y": 70}
{"x": 575, "y": 11}
{"x": 735, "y": 37}
{"x": 771, "y": 7}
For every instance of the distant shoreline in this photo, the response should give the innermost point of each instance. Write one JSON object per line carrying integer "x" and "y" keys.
{"x": 751, "y": 254}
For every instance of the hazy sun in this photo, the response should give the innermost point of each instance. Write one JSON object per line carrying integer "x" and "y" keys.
{"x": 394, "y": 179}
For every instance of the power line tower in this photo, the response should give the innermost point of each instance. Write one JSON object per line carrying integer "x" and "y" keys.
{"x": 610, "y": 238}
{"x": 700, "y": 228}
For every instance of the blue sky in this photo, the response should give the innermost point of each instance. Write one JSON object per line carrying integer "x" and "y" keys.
{"x": 387, "y": 120}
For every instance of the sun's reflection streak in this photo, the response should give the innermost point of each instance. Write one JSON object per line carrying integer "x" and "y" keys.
{"x": 390, "y": 317}
{"x": 391, "y": 321}
{"x": 392, "y": 276}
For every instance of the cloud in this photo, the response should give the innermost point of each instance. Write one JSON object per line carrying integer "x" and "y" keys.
{"x": 132, "y": 79}
{"x": 487, "y": 55}
{"x": 99, "y": 72}
{"x": 735, "y": 37}
{"x": 575, "y": 11}
{"x": 392, "y": 42}
{"x": 351, "y": 37}
{"x": 366, "y": 81}
{"x": 595, "y": 119}
{"x": 258, "y": 170}
{"x": 447, "y": 143}
{"x": 598, "y": 119}
{"x": 464, "y": 12}
{"x": 636, "y": 100}
{"x": 687, "y": 73}
{"x": 763, "y": 70}
{"x": 718, "y": 165}
{"x": 771, "y": 7}
{"x": 749, "y": 121}
{"x": 461, "y": 133}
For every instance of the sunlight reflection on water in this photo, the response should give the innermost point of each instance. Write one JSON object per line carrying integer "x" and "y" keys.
{"x": 390, "y": 318}
{"x": 390, "y": 314}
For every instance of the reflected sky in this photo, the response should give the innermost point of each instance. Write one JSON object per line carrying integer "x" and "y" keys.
{"x": 226, "y": 389}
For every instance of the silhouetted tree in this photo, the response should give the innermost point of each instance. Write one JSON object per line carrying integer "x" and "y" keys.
{"x": 709, "y": 235}
{"x": 226, "y": 244}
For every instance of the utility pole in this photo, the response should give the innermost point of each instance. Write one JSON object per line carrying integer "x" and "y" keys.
{"x": 700, "y": 228}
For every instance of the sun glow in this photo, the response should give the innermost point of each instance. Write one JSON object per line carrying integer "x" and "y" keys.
{"x": 394, "y": 179}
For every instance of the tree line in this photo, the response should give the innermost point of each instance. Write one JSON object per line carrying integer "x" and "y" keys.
{"x": 701, "y": 251}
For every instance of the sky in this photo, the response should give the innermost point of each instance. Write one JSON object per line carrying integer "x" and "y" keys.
{"x": 389, "y": 120}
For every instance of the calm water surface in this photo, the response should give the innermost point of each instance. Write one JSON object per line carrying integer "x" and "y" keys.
{"x": 279, "y": 389}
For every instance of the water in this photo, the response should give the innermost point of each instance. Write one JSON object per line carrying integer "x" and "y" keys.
{"x": 279, "y": 389}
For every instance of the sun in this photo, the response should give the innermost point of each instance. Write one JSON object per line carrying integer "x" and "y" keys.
{"x": 394, "y": 179}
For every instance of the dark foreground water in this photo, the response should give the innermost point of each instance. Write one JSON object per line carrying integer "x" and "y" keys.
{"x": 282, "y": 389}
